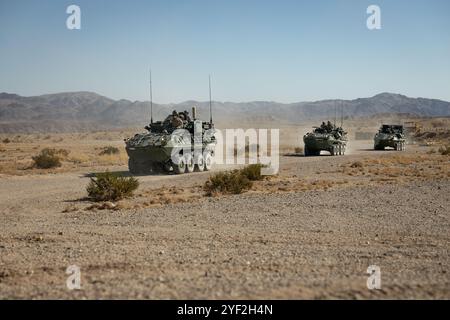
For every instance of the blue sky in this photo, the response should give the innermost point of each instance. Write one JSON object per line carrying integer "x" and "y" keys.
{"x": 282, "y": 51}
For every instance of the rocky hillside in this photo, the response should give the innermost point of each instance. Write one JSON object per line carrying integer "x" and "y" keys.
{"x": 75, "y": 111}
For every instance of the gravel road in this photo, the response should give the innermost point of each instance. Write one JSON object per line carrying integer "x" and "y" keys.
{"x": 311, "y": 244}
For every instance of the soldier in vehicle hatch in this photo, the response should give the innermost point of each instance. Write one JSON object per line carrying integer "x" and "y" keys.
{"x": 176, "y": 120}
{"x": 329, "y": 126}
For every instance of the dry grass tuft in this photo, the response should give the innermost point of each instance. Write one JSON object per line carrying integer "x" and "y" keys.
{"x": 47, "y": 159}
{"x": 109, "y": 186}
{"x": 109, "y": 150}
{"x": 298, "y": 150}
{"x": 233, "y": 182}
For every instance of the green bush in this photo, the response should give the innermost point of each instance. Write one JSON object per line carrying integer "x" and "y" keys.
{"x": 233, "y": 182}
{"x": 227, "y": 182}
{"x": 109, "y": 150}
{"x": 47, "y": 158}
{"x": 252, "y": 172}
{"x": 109, "y": 186}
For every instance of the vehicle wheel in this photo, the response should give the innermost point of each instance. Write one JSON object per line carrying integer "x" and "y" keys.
{"x": 343, "y": 150}
{"x": 133, "y": 166}
{"x": 208, "y": 162}
{"x": 166, "y": 167}
{"x": 340, "y": 150}
{"x": 190, "y": 165}
{"x": 377, "y": 147}
{"x": 179, "y": 165}
{"x": 199, "y": 163}
{"x": 333, "y": 150}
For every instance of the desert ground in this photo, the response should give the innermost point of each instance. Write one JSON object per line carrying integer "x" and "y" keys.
{"x": 309, "y": 232}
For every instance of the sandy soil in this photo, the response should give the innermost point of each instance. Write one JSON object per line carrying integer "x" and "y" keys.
{"x": 311, "y": 232}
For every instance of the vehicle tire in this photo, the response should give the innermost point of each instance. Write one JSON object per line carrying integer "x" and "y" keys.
{"x": 190, "y": 164}
{"x": 333, "y": 150}
{"x": 199, "y": 163}
{"x": 133, "y": 166}
{"x": 166, "y": 167}
{"x": 208, "y": 162}
{"x": 179, "y": 166}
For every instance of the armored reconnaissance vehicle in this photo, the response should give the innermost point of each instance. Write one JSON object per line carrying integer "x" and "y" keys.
{"x": 178, "y": 144}
{"x": 390, "y": 136}
{"x": 327, "y": 137}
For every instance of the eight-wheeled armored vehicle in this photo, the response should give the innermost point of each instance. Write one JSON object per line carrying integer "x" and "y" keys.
{"x": 390, "y": 136}
{"x": 178, "y": 144}
{"x": 327, "y": 137}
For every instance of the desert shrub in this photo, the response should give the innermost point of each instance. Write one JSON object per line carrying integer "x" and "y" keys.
{"x": 47, "y": 158}
{"x": 6, "y": 140}
{"x": 298, "y": 150}
{"x": 233, "y": 182}
{"x": 252, "y": 172}
{"x": 227, "y": 182}
{"x": 356, "y": 164}
{"x": 445, "y": 151}
{"x": 109, "y": 150}
{"x": 107, "y": 186}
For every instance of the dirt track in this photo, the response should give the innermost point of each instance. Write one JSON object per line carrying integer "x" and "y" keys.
{"x": 310, "y": 244}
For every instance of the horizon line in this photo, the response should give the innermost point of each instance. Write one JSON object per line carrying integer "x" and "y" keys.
{"x": 218, "y": 101}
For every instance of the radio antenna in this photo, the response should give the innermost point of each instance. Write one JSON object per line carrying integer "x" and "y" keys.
{"x": 151, "y": 98}
{"x": 342, "y": 113}
{"x": 210, "y": 101}
{"x": 335, "y": 113}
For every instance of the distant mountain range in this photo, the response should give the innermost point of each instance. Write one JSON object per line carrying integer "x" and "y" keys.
{"x": 78, "y": 111}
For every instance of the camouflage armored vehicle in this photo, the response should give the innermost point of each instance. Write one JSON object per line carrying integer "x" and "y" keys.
{"x": 327, "y": 137}
{"x": 390, "y": 136}
{"x": 178, "y": 144}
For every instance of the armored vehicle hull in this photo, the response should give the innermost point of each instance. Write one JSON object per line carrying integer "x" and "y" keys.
{"x": 390, "y": 136}
{"x": 325, "y": 138}
{"x": 165, "y": 148}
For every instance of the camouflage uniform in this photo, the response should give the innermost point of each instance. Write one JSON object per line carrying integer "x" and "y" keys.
{"x": 176, "y": 120}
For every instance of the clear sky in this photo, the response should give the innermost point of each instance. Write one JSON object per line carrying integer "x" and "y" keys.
{"x": 284, "y": 51}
